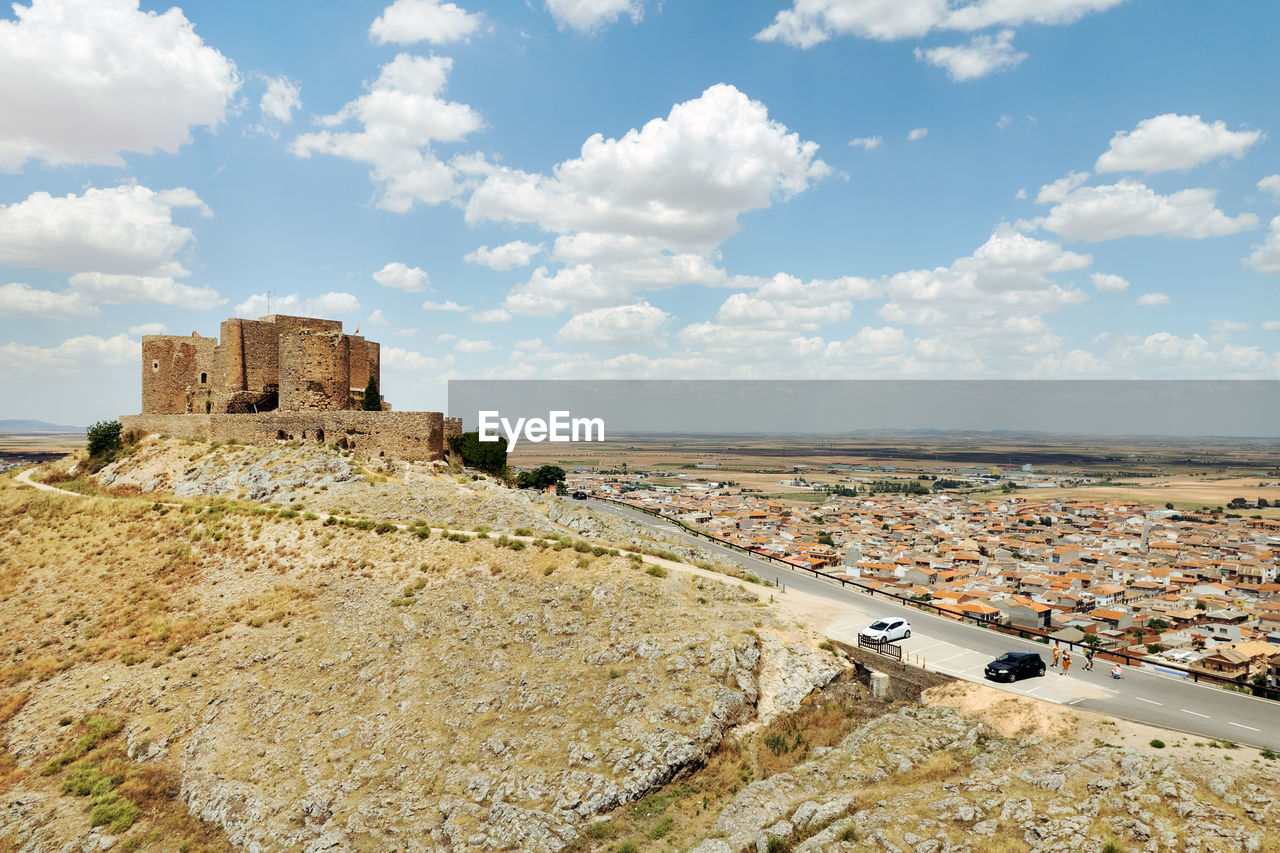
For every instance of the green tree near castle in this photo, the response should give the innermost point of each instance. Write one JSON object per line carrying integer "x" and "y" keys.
{"x": 372, "y": 399}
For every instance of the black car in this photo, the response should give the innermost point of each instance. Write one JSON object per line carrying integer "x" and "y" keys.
{"x": 1011, "y": 666}
{"x": 579, "y": 495}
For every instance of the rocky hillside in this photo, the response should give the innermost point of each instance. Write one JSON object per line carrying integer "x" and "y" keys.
{"x": 264, "y": 679}
{"x": 182, "y": 667}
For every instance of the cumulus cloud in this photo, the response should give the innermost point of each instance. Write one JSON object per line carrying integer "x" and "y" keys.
{"x": 148, "y": 329}
{"x": 1109, "y": 283}
{"x": 467, "y": 345}
{"x": 402, "y": 277}
{"x": 399, "y": 118}
{"x": 443, "y": 306}
{"x": 869, "y": 143}
{"x": 786, "y": 302}
{"x": 618, "y": 326}
{"x": 1172, "y": 141}
{"x": 649, "y": 210}
{"x": 125, "y": 230}
{"x": 74, "y": 355}
{"x": 324, "y": 305}
{"x": 137, "y": 289}
{"x": 1266, "y": 255}
{"x": 1271, "y": 325}
{"x": 983, "y": 55}
{"x": 410, "y": 21}
{"x": 20, "y": 300}
{"x": 586, "y": 16}
{"x": 377, "y": 318}
{"x": 89, "y": 79}
{"x": 1152, "y": 300}
{"x": 493, "y": 315}
{"x": 917, "y": 134}
{"x": 401, "y": 360}
{"x": 1226, "y": 327}
{"x": 505, "y": 257}
{"x": 1129, "y": 208}
{"x": 282, "y": 97}
{"x": 1270, "y": 184}
{"x": 811, "y": 22}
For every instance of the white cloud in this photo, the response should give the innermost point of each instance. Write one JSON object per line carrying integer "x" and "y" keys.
{"x": 917, "y": 134}
{"x": 377, "y": 318}
{"x": 1266, "y": 255}
{"x": 1152, "y": 300}
{"x": 1172, "y": 141}
{"x": 683, "y": 180}
{"x": 505, "y": 257}
{"x": 810, "y": 22}
{"x": 983, "y": 55}
{"x": 468, "y": 345}
{"x": 1061, "y": 188}
{"x": 1004, "y": 121}
{"x": 282, "y": 97}
{"x": 1129, "y": 208}
{"x": 446, "y": 337}
{"x": 139, "y": 289}
{"x": 324, "y": 305}
{"x": 400, "y": 117}
{"x": 88, "y": 79}
{"x": 401, "y": 360}
{"x": 649, "y": 210}
{"x": 19, "y": 300}
{"x": 410, "y": 21}
{"x": 1270, "y": 184}
{"x": 75, "y": 355}
{"x": 1021, "y": 194}
{"x": 618, "y": 326}
{"x": 786, "y": 302}
{"x": 1271, "y": 325}
{"x": 870, "y": 143}
{"x": 406, "y": 333}
{"x": 586, "y": 16}
{"x": 148, "y": 329}
{"x": 1109, "y": 283}
{"x": 493, "y": 315}
{"x": 1226, "y": 327}
{"x": 444, "y": 306}
{"x": 127, "y": 230}
{"x": 402, "y": 277}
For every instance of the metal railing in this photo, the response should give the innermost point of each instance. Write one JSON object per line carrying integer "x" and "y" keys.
{"x": 1238, "y": 684}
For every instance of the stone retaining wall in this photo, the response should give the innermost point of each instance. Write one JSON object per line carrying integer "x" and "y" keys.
{"x": 411, "y": 436}
{"x": 907, "y": 682}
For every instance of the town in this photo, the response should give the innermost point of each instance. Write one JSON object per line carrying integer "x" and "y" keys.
{"x": 1186, "y": 592}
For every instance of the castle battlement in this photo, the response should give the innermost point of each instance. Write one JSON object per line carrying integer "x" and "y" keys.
{"x": 278, "y": 378}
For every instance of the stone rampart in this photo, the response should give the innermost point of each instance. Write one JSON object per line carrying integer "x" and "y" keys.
{"x": 411, "y": 436}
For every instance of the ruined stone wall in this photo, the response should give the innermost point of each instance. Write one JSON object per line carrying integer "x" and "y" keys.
{"x": 315, "y": 370}
{"x": 452, "y": 429}
{"x": 175, "y": 371}
{"x": 411, "y": 436}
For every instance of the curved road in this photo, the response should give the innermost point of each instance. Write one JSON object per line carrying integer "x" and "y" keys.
{"x": 962, "y": 650}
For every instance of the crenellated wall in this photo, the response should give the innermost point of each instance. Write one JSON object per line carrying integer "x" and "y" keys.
{"x": 412, "y": 436}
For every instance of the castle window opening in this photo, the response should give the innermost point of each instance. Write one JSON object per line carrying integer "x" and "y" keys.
{"x": 280, "y": 435}
{"x": 155, "y": 365}
{"x": 204, "y": 378}
{"x": 319, "y": 435}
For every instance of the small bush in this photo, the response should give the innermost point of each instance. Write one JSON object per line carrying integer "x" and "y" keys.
{"x": 849, "y": 833}
{"x": 779, "y": 845}
{"x": 602, "y": 829}
{"x": 524, "y": 531}
{"x": 384, "y": 527}
{"x": 628, "y": 847}
{"x": 661, "y": 828}
{"x": 115, "y": 811}
{"x": 615, "y": 673}
{"x": 1157, "y": 743}
{"x": 1269, "y": 753}
{"x": 655, "y": 571}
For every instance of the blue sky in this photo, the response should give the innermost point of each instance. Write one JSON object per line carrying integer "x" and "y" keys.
{"x": 628, "y": 188}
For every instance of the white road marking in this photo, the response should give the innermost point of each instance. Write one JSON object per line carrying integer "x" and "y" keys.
{"x": 1074, "y": 701}
{"x": 1185, "y": 711}
{"x": 1148, "y": 701}
{"x": 1243, "y": 726}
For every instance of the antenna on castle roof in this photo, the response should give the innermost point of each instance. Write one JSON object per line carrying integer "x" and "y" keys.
{"x": 268, "y": 303}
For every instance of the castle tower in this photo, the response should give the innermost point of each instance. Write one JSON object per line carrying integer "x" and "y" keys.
{"x": 177, "y": 373}
{"x": 315, "y": 370}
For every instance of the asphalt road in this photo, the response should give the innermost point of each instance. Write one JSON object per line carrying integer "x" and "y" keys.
{"x": 962, "y": 650}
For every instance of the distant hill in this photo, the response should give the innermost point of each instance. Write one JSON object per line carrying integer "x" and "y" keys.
{"x": 24, "y": 426}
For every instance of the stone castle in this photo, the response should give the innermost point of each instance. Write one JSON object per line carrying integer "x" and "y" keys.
{"x": 279, "y": 378}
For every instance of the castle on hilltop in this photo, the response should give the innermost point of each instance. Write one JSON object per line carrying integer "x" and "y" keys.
{"x": 280, "y": 378}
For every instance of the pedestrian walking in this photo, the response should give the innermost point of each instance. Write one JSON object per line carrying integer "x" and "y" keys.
{"x": 1066, "y": 662}
{"x": 1057, "y": 652}
{"x": 1088, "y": 659}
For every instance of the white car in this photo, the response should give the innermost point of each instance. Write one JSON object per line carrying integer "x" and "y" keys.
{"x": 887, "y": 630}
